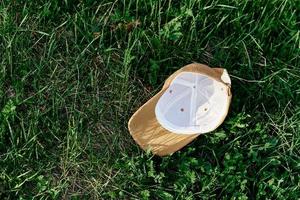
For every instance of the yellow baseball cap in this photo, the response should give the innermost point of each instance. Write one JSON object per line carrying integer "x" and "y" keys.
{"x": 193, "y": 100}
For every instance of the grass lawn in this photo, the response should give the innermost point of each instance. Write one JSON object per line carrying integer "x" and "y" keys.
{"x": 72, "y": 72}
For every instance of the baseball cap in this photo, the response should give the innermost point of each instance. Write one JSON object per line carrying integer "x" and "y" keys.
{"x": 193, "y": 100}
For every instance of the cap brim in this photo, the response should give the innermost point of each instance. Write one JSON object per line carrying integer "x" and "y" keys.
{"x": 149, "y": 134}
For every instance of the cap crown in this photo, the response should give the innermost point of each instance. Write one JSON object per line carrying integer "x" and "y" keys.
{"x": 193, "y": 103}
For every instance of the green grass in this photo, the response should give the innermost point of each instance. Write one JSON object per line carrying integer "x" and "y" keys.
{"x": 73, "y": 72}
